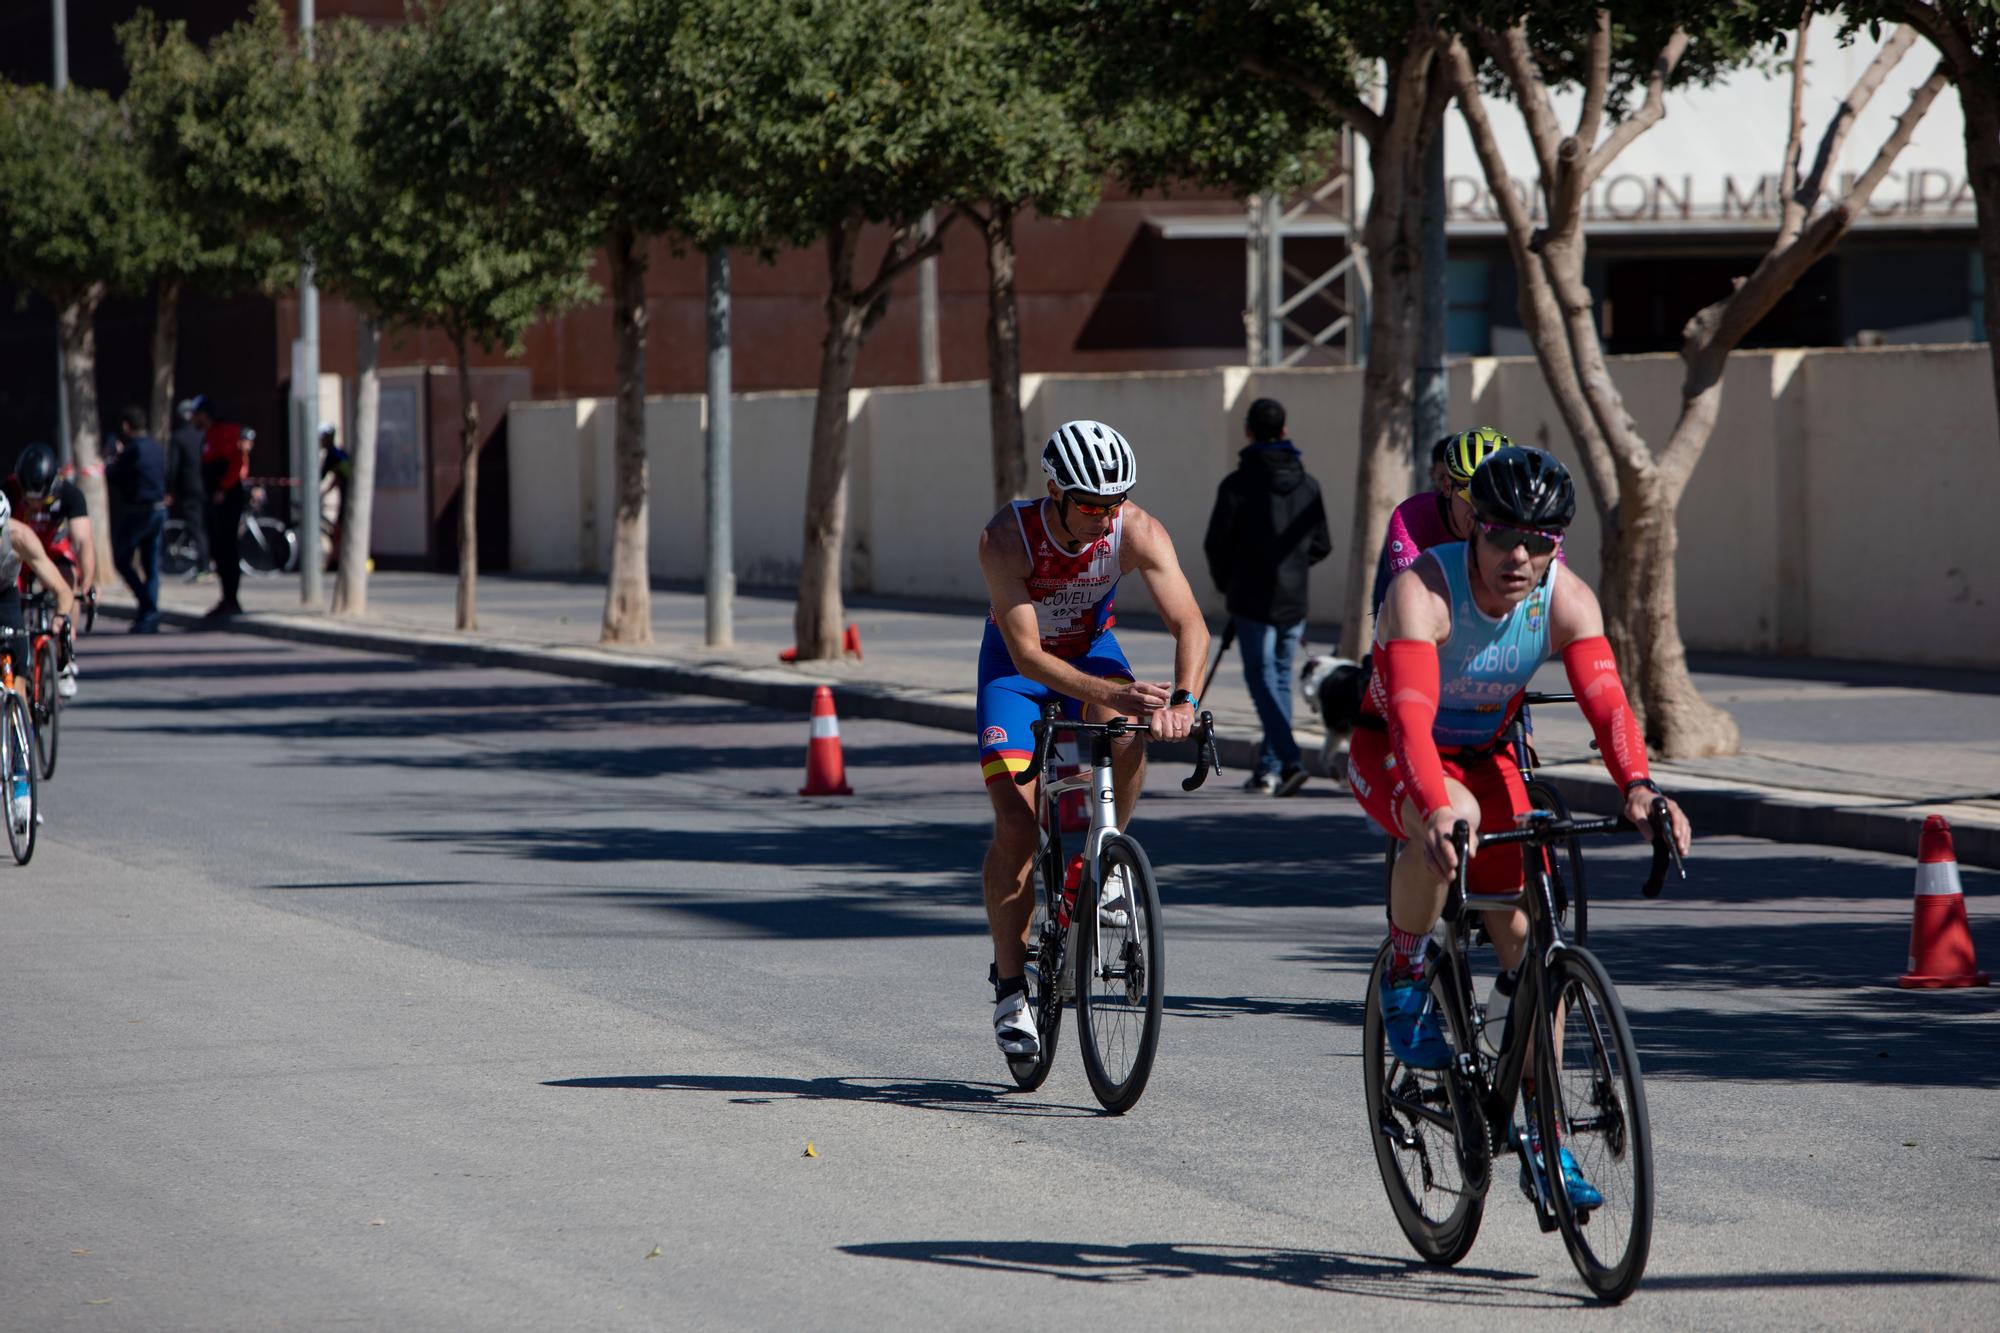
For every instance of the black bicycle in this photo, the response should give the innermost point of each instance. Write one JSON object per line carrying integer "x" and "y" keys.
{"x": 1563, "y": 859}
{"x": 46, "y": 642}
{"x": 1436, "y": 1132}
{"x": 1121, "y": 956}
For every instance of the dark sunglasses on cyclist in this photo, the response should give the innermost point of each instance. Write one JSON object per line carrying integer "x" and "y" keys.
{"x": 1096, "y": 508}
{"x": 1505, "y": 538}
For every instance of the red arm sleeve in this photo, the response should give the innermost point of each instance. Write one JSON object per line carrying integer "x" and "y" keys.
{"x": 1409, "y": 702}
{"x": 1593, "y": 677}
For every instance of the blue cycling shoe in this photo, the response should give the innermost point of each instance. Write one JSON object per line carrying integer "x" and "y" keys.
{"x": 1582, "y": 1194}
{"x": 1411, "y": 1024}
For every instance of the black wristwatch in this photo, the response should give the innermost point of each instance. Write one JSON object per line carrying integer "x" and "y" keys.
{"x": 1179, "y": 697}
{"x": 1647, "y": 783}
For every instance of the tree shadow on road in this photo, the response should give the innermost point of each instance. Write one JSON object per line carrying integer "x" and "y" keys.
{"x": 917, "y": 1094}
{"x": 1334, "y": 1272}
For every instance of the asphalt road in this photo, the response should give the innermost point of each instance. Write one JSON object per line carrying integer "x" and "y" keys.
{"x": 359, "y": 992}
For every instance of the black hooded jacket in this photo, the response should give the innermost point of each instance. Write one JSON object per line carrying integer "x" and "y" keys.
{"x": 1267, "y": 530}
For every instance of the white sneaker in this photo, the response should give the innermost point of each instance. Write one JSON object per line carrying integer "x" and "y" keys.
{"x": 1014, "y": 1027}
{"x": 66, "y": 681}
{"x": 1111, "y": 904}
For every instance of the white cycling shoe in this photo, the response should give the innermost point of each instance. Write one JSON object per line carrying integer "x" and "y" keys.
{"x": 66, "y": 681}
{"x": 1112, "y": 903}
{"x": 1014, "y": 1027}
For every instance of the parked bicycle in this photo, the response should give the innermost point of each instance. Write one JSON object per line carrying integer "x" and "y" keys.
{"x": 1436, "y": 1132}
{"x": 266, "y": 544}
{"x": 18, "y": 769}
{"x": 1107, "y": 937}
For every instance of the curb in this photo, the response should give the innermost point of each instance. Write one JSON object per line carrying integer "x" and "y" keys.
{"x": 1780, "y": 816}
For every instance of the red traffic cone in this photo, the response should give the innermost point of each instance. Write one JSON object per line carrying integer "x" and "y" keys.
{"x": 826, "y": 771}
{"x": 1940, "y": 940}
{"x": 852, "y": 642}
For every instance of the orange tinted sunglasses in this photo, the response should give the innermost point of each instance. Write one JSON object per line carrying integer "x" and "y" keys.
{"x": 1092, "y": 510}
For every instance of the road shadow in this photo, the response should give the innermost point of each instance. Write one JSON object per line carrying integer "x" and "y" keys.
{"x": 1330, "y": 1271}
{"x": 916, "y": 1094}
{"x": 1346, "y": 1012}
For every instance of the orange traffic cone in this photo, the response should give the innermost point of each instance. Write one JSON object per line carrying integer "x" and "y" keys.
{"x": 849, "y": 643}
{"x": 1940, "y": 940}
{"x": 826, "y": 771}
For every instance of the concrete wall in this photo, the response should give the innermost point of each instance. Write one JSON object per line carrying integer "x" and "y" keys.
{"x": 1838, "y": 511}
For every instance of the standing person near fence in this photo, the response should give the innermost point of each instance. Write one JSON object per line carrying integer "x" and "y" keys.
{"x": 225, "y": 464}
{"x": 1266, "y": 532}
{"x": 137, "y": 477}
{"x": 185, "y": 493}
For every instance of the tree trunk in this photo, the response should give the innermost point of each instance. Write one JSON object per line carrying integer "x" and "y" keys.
{"x": 166, "y": 346}
{"x": 468, "y": 494}
{"x": 1393, "y": 238}
{"x": 1642, "y": 621}
{"x": 357, "y": 518}
{"x": 1979, "y": 95}
{"x": 76, "y": 322}
{"x": 818, "y": 619}
{"x": 628, "y": 605}
{"x": 1003, "y": 359}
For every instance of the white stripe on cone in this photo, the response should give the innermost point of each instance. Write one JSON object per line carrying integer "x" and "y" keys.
{"x": 829, "y": 725}
{"x": 1938, "y": 879}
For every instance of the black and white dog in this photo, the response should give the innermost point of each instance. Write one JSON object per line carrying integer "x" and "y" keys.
{"x": 1335, "y": 686}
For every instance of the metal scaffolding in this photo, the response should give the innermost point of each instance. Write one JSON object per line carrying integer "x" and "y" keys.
{"x": 1285, "y": 304}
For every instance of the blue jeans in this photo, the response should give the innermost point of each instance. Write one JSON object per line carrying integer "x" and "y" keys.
{"x": 1267, "y": 669}
{"x": 138, "y": 533}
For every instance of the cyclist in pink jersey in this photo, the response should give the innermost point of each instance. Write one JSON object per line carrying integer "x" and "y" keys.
{"x": 1434, "y": 517}
{"x": 1052, "y": 567}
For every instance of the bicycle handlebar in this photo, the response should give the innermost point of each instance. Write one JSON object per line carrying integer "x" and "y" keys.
{"x": 1051, "y": 721}
{"x": 1531, "y": 697}
{"x": 1541, "y": 831}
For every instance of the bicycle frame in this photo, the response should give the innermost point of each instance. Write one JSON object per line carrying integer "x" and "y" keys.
{"x": 1096, "y": 781}
{"x": 1496, "y": 1080}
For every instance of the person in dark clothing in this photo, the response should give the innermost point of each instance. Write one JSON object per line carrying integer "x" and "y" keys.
{"x": 185, "y": 493}
{"x": 225, "y": 466}
{"x": 1267, "y": 529}
{"x": 137, "y": 478}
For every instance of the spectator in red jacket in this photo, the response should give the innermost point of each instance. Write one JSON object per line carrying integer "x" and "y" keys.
{"x": 225, "y": 464}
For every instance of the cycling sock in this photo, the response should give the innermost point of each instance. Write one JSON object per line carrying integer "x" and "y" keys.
{"x": 1005, "y": 986}
{"x": 1406, "y": 952}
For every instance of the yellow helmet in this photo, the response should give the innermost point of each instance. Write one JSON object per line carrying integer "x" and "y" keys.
{"x": 1463, "y": 453}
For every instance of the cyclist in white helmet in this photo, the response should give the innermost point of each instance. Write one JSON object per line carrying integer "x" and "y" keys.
{"x": 1052, "y": 566}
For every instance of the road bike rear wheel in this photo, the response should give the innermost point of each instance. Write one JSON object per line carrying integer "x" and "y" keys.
{"x": 17, "y": 766}
{"x": 1121, "y": 989}
{"x": 1592, "y": 1100}
{"x": 1044, "y": 989}
{"x": 1430, "y": 1136}
{"x": 48, "y": 706}
{"x": 1565, "y": 863}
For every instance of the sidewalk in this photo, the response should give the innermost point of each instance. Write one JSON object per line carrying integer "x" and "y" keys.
{"x": 1848, "y": 754}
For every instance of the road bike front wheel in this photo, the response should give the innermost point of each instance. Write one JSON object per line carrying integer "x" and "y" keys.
{"x": 1592, "y": 1101}
{"x": 268, "y": 547}
{"x": 48, "y": 706}
{"x": 1430, "y": 1136}
{"x": 1565, "y": 863}
{"x": 18, "y": 772}
{"x": 177, "y": 548}
{"x": 1044, "y": 988}
{"x": 1121, "y": 989}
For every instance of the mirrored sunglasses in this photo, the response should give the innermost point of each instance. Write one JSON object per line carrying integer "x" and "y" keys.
{"x": 1506, "y": 538}
{"x": 1096, "y": 507}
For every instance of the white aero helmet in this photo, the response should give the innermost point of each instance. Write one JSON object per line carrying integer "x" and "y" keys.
{"x": 6, "y": 509}
{"x": 1089, "y": 456}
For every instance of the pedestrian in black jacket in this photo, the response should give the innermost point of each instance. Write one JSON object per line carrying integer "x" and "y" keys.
{"x": 1267, "y": 530}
